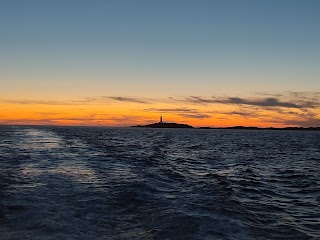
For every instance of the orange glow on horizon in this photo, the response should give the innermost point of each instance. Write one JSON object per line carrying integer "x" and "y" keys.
{"x": 128, "y": 114}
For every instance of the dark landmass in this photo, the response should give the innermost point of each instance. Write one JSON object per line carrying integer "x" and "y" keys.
{"x": 179, "y": 125}
{"x": 269, "y": 128}
{"x": 165, "y": 125}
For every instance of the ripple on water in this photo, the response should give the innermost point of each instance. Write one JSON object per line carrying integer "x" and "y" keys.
{"x": 103, "y": 183}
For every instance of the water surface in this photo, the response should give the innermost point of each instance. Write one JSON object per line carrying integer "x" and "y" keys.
{"x": 129, "y": 183}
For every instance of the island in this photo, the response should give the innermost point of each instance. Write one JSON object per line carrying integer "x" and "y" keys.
{"x": 162, "y": 124}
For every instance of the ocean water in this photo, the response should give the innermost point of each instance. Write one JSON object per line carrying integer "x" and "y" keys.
{"x": 129, "y": 183}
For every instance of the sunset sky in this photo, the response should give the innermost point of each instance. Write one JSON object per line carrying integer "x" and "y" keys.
{"x": 121, "y": 63}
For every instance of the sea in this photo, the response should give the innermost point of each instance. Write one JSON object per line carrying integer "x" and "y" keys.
{"x": 139, "y": 183}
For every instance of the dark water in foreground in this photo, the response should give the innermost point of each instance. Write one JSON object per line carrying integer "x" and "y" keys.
{"x": 102, "y": 183}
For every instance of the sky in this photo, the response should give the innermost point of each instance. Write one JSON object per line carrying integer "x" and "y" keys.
{"x": 124, "y": 62}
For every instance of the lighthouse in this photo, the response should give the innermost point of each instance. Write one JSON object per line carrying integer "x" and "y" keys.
{"x": 160, "y": 119}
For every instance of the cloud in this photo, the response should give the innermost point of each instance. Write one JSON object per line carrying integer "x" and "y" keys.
{"x": 90, "y": 119}
{"x": 243, "y": 114}
{"x": 199, "y": 100}
{"x": 303, "y": 94}
{"x": 28, "y": 122}
{"x": 260, "y": 102}
{"x": 194, "y": 115}
{"x": 82, "y": 101}
{"x": 182, "y": 112}
{"x": 308, "y": 122}
{"x": 130, "y": 99}
{"x": 265, "y": 100}
{"x": 301, "y": 113}
{"x": 42, "y": 102}
{"x": 172, "y": 110}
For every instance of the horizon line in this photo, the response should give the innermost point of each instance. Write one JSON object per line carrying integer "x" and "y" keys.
{"x": 129, "y": 126}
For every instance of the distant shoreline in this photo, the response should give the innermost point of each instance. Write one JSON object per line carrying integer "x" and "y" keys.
{"x": 267, "y": 128}
{"x": 190, "y": 127}
{"x": 179, "y": 125}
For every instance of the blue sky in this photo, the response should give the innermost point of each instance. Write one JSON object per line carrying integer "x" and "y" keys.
{"x": 263, "y": 44}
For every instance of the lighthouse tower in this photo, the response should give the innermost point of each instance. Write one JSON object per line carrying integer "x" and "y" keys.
{"x": 161, "y": 119}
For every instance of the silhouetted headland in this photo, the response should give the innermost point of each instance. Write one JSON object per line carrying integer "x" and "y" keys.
{"x": 162, "y": 124}
{"x": 165, "y": 125}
